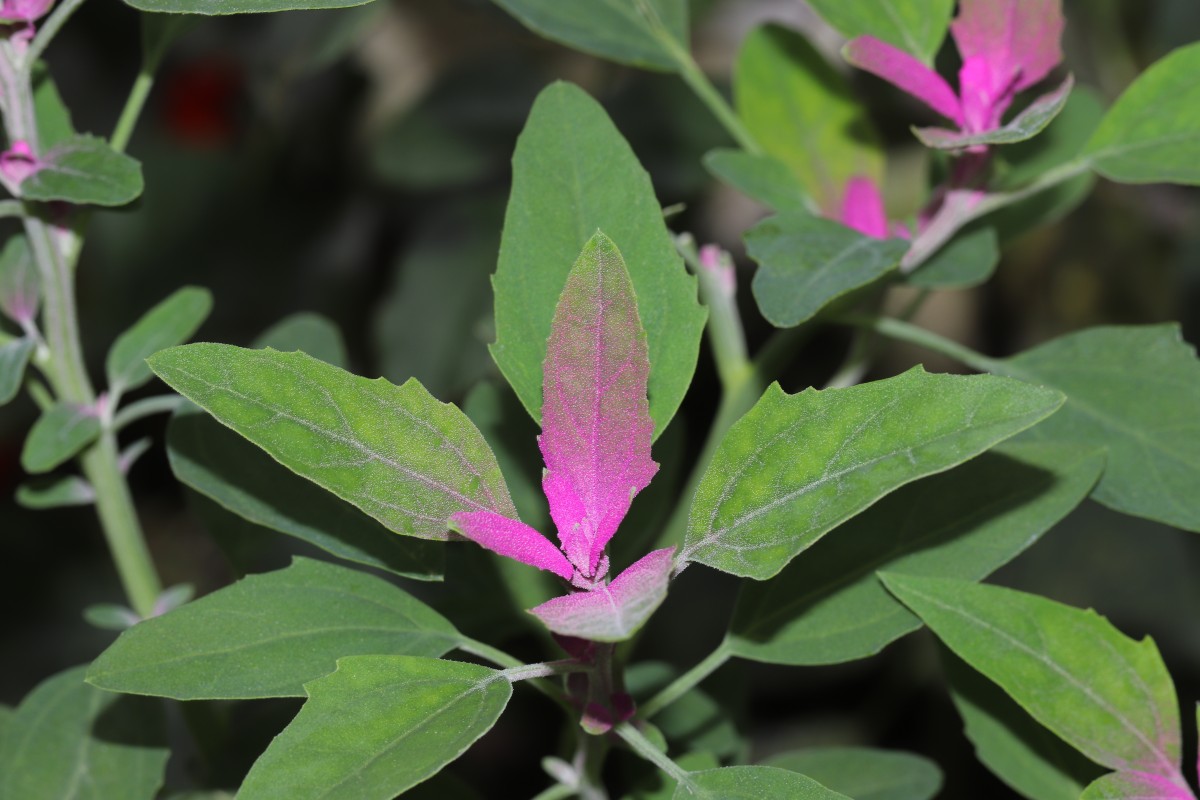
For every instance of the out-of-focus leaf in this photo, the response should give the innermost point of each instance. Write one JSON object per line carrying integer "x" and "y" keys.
{"x": 20, "y": 287}
{"x": 967, "y": 260}
{"x": 70, "y": 740}
{"x": 806, "y": 262}
{"x": 62, "y": 431}
{"x": 266, "y": 635}
{"x": 752, "y": 783}
{"x": 915, "y": 26}
{"x": 1132, "y": 389}
{"x": 865, "y": 773}
{"x": 84, "y": 170}
{"x": 644, "y": 33}
{"x": 52, "y": 115}
{"x": 796, "y": 466}
{"x": 43, "y": 493}
{"x": 759, "y": 177}
{"x": 223, "y": 7}
{"x": 14, "y": 356}
{"x": 309, "y": 333}
{"x": 693, "y": 723}
{"x": 573, "y": 173}
{"x": 828, "y": 606}
{"x": 111, "y": 617}
{"x": 1027, "y": 124}
{"x": 801, "y": 111}
{"x": 1152, "y": 132}
{"x": 171, "y": 322}
{"x": 377, "y": 726}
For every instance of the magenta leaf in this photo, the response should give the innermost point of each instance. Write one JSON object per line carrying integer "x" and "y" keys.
{"x": 1135, "y": 786}
{"x": 1019, "y": 40}
{"x": 862, "y": 208}
{"x": 905, "y": 72}
{"x": 614, "y": 612}
{"x": 596, "y": 426}
{"x": 1029, "y": 123}
{"x": 513, "y": 539}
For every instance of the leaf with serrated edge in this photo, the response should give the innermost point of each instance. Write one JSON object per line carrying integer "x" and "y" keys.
{"x": 394, "y": 452}
{"x": 796, "y": 466}
{"x": 802, "y": 112}
{"x": 377, "y": 726}
{"x": 806, "y": 262}
{"x": 62, "y": 431}
{"x": 916, "y": 26}
{"x": 268, "y": 634}
{"x": 1132, "y": 389}
{"x": 574, "y": 173}
{"x": 1152, "y": 132}
{"x": 1107, "y": 695}
{"x": 865, "y": 773}
{"x": 751, "y": 783}
{"x": 612, "y": 612}
{"x": 67, "y": 740}
{"x": 1029, "y": 123}
{"x": 171, "y": 322}
{"x": 644, "y": 33}
{"x": 829, "y": 607}
{"x": 84, "y": 170}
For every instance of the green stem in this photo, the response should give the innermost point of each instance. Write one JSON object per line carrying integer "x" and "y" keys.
{"x": 725, "y": 331}
{"x": 162, "y": 404}
{"x": 687, "y": 681}
{"x": 507, "y": 662}
{"x": 48, "y": 30}
{"x": 132, "y": 112}
{"x": 907, "y": 332}
{"x": 644, "y": 748}
{"x": 547, "y": 669}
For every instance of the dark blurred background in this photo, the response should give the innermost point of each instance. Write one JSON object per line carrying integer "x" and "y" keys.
{"x": 355, "y": 164}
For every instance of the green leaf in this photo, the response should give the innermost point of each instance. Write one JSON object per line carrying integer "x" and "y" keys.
{"x": 693, "y": 723}
{"x": 110, "y": 617}
{"x": 53, "y": 117}
{"x": 967, "y": 260}
{"x": 1132, "y": 389}
{"x": 62, "y": 431}
{"x": 1135, "y": 786}
{"x": 1060, "y": 143}
{"x": 44, "y": 493}
{"x": 574, "y": 173}
{"x": 796, "y": 466}
{"x": 266, "y": 635}
{"x": 223, "y": 466}
{"x": 828, "y": 606}
{"x": 805, "y": 262}
{"x": 1105, "y": 694}
{"x": 915, "y": 26}
{"x": 645, "y": 33}
{"x": 394, "y": 452}
{"x": 1030, "y": 759}
{"x": 14, "y": 356}
{"x": 19, "y": 281}
{"x": 1152, "y": 132}
{"x": 84, "y": 170}
{"x": 801, "y": 111}
{"x": 377, "y": 726}
{"x": 309, "y": 333}
{"x": 171, "y": 322}
{"x": 865, "y": 773}
{"x": 1027, "y": 124}
{"x": 69, "y": 741}
{"x": 224, "y": 7}
{"x": 759, "y": 177}
{"x": 752, "y": 783}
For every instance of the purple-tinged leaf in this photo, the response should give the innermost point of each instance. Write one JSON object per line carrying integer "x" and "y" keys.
{"x": 513, "y": 539}
{"x": 1026, "y": 125}
{"x": 614, "y": 612}
{"x": 1018, "y": 39}
{"x": 596, "y": 426}
{"x": 862, "y": 208}
{"x": 1134, "y": 786}
{"x": 905, "y": 72}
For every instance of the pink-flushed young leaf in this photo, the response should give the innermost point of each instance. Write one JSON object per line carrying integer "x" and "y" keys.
{"x": 1025, "y": 125}
{"x": 596, "y": 426}
{"x": 513, "y": 539}
{"x": 614, "y": 612}
{"x": 1019, "y": 40}
{"x": 862, "y": 208}
{"x": 1135, "y": 786}
{"x": 905, "y": 72}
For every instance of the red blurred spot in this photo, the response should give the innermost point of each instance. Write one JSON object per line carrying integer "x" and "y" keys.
{"x": 200, "y": 102}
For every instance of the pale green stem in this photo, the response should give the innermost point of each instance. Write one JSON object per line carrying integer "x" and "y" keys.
{"x": 507, "y": 662}
{"x": 907, "y": 332}
{"x": 148, "y": 407}
{"x": 547, "y": 669}
{"x": 725, "y": 331}
{"x": 644, "y": 748}
{"x": 687, "y": 681}
{"x": 132, "y": 111}
{"x": 11, "y": 208}
{"x": 48, "y": 30}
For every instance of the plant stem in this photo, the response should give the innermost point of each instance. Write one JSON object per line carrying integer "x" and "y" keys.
{"x": 544, "y": 670}
{"x": 132, "y": 111}
{"x": 687, "y": 681}
{"x": 48, "y": 30}
{"x": 907, "y": 332}
{"x": 161, "y": 404}
{"x": 504, "y": 660}
{"x": 644, "y": 748}
{"x": 725, "y": 331}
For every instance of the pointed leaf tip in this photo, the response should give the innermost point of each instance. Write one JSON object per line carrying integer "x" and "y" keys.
{"x": 596, "y": 426}
{"x": 512, "y": 538}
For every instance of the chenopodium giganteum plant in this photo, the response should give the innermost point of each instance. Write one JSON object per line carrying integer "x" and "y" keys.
{"x": 858, "y": 513}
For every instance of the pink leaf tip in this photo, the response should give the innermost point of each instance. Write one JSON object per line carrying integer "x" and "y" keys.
{"x": 906, "y": 72}
{"x": 596, "y": 426}
{"x": 511, "y": 538}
